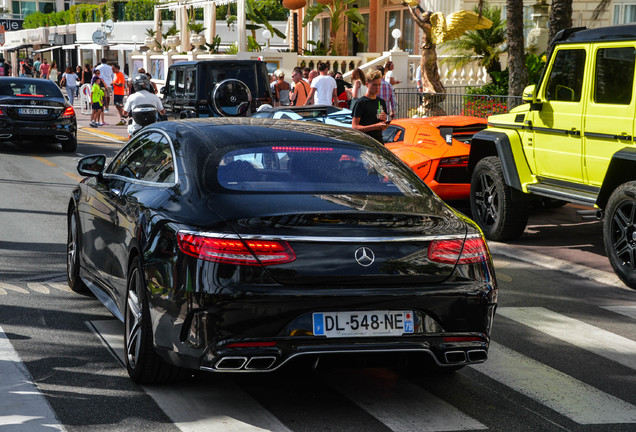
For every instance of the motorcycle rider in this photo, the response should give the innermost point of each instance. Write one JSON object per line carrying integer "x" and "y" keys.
{"x": 143, "y": 96}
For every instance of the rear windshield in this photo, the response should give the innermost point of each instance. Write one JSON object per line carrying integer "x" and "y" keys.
{"x": 30, "y": 88}
{"x": 249, "y": 73}
{"x": 307, "y": 168}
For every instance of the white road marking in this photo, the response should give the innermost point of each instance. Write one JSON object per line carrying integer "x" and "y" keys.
{"x": 400, "y": 405}
{"x": 22, "y": 406}
{"x": 628, "y": 311}
{"x": 60, "y": 286}
{"x": 601, "y": 342}
{"x": 9, "y": 287}
{"x": 564, "y": 394}
{"x": 38, "y": 287}
{"x": 221, "y": 407}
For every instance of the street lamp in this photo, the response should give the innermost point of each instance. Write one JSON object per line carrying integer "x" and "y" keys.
{"x": 134, "y": 41}
{"x": 267, "y": 35}
{"x": 396, "y": 33}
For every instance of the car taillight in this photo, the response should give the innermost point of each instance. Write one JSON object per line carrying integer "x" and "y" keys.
{"x": 454, "y": 161}
{"x": 68, "y": 112}
{"x": 1, "y": 113}
{"x": 231, "y": 251}
{"x": 469, "y": 251}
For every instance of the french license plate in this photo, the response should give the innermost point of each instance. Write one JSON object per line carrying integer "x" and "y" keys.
{"x": 34, "y": 111}
{"x": 365, "y": 323}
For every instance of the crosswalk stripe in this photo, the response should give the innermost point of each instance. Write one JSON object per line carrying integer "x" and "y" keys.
{"x": 22, "y": 406}
{"x": 628, "y": 311}
{"x": 564, "y": 394}
{"x": 38, "y": 287}
{"x": 401, "y": 406}
{"x": 60, "y": 286}
{"x": 221, "y": 407}
{"x": 601, "y": 342}
{"x": 9, "y": 287}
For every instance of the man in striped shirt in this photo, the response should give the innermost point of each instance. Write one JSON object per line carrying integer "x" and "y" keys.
{"x": 386, "y": 93}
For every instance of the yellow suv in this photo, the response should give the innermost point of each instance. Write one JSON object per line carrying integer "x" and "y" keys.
{"x": 572, "y": 140}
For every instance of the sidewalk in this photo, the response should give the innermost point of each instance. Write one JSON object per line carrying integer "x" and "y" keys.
{"x": 111, "y": 117}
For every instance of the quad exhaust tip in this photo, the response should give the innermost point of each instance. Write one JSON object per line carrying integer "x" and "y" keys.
{"x": 471, "y": 356}
{"x": 246, "y": 363}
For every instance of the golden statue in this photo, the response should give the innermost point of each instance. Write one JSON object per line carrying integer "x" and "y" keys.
{"x": 437, "y": 29}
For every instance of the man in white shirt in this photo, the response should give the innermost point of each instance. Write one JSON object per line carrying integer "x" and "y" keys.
{"x": 106, "y": 74}
{"x": 323, "y": 87}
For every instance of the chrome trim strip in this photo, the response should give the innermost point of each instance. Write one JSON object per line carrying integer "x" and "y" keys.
{"x": 32, "y": 106}
{"x": 316, "y": 239}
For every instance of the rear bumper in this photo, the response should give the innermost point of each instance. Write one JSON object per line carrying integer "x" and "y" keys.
{"x": 264, "y": 332}
{"x": 60, "y": 130}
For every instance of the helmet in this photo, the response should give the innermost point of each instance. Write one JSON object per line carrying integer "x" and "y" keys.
{"x": 141, "y": 82}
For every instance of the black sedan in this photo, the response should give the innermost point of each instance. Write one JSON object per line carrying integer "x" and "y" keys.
{"x": 242, "y": 245}
{"x": 36, "y": 109}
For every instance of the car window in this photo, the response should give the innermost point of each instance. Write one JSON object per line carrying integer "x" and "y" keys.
{"x": 180, "y": 81}
{"x": 566, "y": 77}
{"x": 313, "y": 168}
{"x": 190, "y": 81}
{"x": 614, "y": 75}
{"x": 131, "y": 160}
{"x": 172, "y": 81}
{"x": 393, "y": 134}
{"x": 229, "y": 70}
{"x": 25, "y": 88}
{"x": 159, "y": 167}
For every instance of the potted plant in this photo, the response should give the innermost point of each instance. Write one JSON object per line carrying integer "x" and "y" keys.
{"x": 151, "y": 41}
{"x": 196, "y": 38}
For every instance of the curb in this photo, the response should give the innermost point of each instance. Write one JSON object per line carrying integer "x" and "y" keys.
{"x": 600, "y": 276}
{"x": 94, "y": 131}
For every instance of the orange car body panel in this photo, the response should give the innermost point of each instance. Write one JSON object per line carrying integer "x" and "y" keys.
{"x": 422, "y": 147}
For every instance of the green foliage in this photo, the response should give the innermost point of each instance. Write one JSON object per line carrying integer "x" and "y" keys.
{"x": 214, "y": 46}
{"x": 139, "y": 10}
{"x": 498, "y": 86}
{"x": 341, "y": 13}
{"x": 534, "y": 65}
{"x": 252, "y": 44}
{"x": 486, "y": 43}
{"x": 172, "y": 31}
{"x": 150, "y": 32}
{"x": 195, "y": 27}
{"x": 320, "y": 49}
{"x": 232, "y": 49}
{"x": 272, "y": 10}
{"x": 81, "y": 13}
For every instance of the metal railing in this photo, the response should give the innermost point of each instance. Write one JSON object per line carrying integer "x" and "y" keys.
{"x": 454, "y": 102}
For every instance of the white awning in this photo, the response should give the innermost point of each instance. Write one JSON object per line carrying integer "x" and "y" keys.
{"x": 70, "y": 47}
{"x": 125, "y": 47}
{"x": 47, "y": 49}
{"x": 92, "y": 46}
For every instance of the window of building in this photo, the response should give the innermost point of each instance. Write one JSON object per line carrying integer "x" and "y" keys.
{"x": 399, "y": 19}
{"x": 24, "y": 8}
{"x": 624, "y": 13}
{"x": 614, "y": 75}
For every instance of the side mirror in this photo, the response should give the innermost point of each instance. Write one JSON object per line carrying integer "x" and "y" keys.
{"x": 91, "y": 166}
{"x": 528, "y": 95}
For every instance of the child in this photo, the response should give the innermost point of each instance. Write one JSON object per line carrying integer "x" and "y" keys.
{"x": 97, "y": 97}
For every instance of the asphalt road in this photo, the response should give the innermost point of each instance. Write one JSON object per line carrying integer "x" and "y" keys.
{"x": 563, "y": 356}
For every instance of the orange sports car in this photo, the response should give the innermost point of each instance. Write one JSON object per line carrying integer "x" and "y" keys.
{"x": 437, "y": 149}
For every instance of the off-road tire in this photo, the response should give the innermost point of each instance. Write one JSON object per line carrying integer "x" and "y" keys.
{"x": 500, "y": 210}
{"x": 142, "y": 362}
{"x": 619, "y": 232}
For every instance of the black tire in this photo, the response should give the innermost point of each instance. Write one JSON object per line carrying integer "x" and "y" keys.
{"x": 142, "y": 362}
{"x": 70, "y": 145}
{"x": 499, "y": 210}
{"x": 619, "y": 232}
{"x": 73, "y": 254}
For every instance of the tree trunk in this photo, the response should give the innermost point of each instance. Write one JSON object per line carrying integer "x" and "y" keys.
{"x": 518, "y": 75}
{"x": 560, "y": 16}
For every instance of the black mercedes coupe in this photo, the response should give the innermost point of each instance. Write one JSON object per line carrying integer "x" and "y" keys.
{"x": 243, "y": 245}
{"x": 35, "y": 109}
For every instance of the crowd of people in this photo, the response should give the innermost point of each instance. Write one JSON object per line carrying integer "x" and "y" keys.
{"x": 370, "y": 97}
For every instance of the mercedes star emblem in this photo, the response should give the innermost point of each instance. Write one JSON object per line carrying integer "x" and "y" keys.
{"x": 364, "y": 256}
{"x": 233, "y": 98}
{"x": 33, "y": 102}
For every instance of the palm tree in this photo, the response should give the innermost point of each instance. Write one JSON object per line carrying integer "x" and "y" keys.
{"x": 560, "y": 16}
{"x": 485, "y": 43}
{"x": 341, "y": 13}
{"x": 517, "y": 72}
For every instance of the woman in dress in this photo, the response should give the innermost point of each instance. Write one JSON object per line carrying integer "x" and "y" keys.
{"x": 282, "y": 89}
{"x": 54, "y": 73}
{"x": 388, "y": 73}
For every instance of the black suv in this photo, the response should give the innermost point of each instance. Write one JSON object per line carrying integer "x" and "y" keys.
{"x": 212, "y": 88}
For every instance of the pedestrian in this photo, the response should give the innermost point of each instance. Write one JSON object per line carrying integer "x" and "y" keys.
{"x": 53, "y": 72}
{"x": 369, "y": 113}
{"x": 153, "y": 86}
{"x": 301, "y": 89}
{"x": 388, "y": 75}
{"x": 4, "y": 69}
{"x": 44, "y": 69}
{"x": 342, "y": 90}
{"x": 69, "y": 79}
{"x": 282, "y": 89}
{"x": 97, "y": 98}
{"x": 106, "y": 74}
{"x": 119, "y": 91}
{"x": 312, "y": 74}
{"x": 36, "y": 67}
{"x": 142, "y": 96}
{"x": 26, "y": 70}
{"x": 306, "y": 71}
{"x": 87, "y": 74}
{"x": 323, "y": 87}
{"x": 78, "y": 72}
{"x": 359, "y": 86}
{"x": 386, "y": 92}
